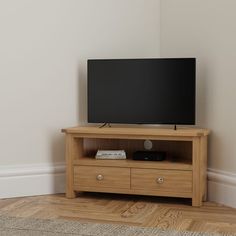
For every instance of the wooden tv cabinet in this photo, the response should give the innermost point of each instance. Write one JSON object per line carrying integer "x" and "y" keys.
{"x": 183, "y": 174}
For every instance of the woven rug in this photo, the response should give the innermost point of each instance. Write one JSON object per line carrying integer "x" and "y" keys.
{"x": 14, "y": 226}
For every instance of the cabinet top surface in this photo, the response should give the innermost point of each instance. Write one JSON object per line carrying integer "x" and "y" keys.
{"x": 152, "y": 131}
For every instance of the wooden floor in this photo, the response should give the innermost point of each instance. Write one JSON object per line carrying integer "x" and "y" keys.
{"x": 165, "y": 213}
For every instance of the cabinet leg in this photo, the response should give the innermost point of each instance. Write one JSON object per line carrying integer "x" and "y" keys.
{"x": 196, "y": 202}
{"x": 197, "y": 196}
{"x": 70, "y": 194}
{"x": 205, "y": 197}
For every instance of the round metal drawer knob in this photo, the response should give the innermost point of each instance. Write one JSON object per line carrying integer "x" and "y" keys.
{"x": 160, "y": 180}
{"x": 99, "y": 177}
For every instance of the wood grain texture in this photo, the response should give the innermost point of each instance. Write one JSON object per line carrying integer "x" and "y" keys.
{"x": 196, "y": 198}
{"x": 111, "y": 177}
{"x": 164, "y": 165}
{"x": 70, "y": 155}
{"x": 165, "y": 213}
{"x": 203, "y": 168}
{"x": 133, "y": 131}
{"x": 150, "y": 192}
{"x": 162, "y": 181}
{"x": 186, "y": 151}
{"x": 176, "y": 150}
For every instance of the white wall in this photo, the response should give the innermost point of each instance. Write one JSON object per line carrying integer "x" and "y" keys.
{"x": 44, "y": 45}
{"x": 206, "y": 29}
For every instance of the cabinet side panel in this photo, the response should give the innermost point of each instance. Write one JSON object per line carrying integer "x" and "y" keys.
{"x": 78, "y": 150}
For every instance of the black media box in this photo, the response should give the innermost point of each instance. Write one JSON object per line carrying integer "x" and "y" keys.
{"x": 149, "y": 156}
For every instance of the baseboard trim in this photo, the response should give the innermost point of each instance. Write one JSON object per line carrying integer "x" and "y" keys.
{"x": 31, "y": 180}
{"x": 222, "y": 187}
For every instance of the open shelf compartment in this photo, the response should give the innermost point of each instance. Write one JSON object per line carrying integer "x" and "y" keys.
{"x": 179, "y": 153}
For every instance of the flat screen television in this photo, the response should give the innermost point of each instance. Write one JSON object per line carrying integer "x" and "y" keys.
{"x": 142, "y": 91}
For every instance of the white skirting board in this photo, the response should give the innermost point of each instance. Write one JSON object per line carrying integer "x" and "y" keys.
{"x": 222, "y": 187}
{"x": 30, "y": 180}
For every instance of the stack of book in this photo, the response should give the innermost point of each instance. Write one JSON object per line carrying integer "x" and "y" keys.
{"x": 110, "y": 155}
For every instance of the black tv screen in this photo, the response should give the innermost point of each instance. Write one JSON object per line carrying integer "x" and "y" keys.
{"x": 141, "y": 91}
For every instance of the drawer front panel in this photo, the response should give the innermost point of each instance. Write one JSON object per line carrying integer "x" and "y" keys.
{"x": 104, "y": 177}
{"x": 153, "y": 180}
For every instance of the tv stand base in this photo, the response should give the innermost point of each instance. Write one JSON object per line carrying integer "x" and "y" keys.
{"x": 182, "y": 174}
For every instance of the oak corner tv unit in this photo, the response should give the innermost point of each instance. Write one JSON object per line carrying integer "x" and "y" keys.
{"x": 183, "y": 174}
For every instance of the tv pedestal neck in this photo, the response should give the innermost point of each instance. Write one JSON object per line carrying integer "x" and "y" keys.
{"x": 183, "y": 174}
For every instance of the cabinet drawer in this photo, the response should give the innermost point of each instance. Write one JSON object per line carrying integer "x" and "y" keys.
{"x": 104, "y": 177}
{"x": 172, "y": 182}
